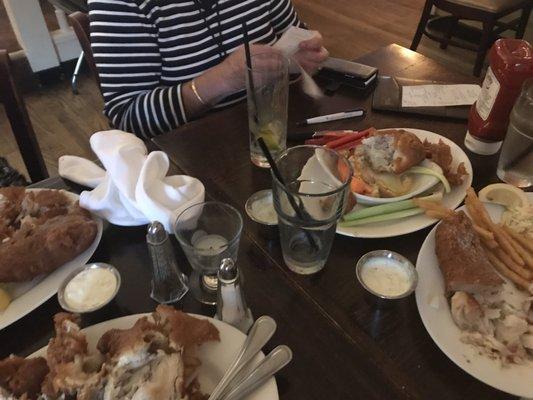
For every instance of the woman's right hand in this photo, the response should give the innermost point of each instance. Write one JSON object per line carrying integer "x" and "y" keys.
{"x": 232, "y": 70}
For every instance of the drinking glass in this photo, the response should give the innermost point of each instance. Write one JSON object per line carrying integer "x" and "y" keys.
{"x": 208, "y": 232}
{"x": 267, "y": 87}
{"x": 313, "y": 185}
{"x": 515, "y": 165}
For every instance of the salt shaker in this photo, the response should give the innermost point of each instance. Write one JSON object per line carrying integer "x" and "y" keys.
{"x": 231, "y": 304}
{"x": 169, "y": 284}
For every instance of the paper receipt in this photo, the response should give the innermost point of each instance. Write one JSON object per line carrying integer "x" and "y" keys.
{"x": 439, "y": 95}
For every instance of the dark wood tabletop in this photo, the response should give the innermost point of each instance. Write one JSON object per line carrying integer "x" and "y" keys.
{"x": 393, "y": 341}
{"x": 343, "y": 347}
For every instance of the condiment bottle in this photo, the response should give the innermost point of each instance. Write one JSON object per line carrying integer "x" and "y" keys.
{"x": 231, "y": 304}
{"x": 511, "y": 63}
{"x": 169, "y": 284}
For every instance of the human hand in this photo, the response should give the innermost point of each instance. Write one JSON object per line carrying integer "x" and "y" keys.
{"x": 233, "y": 69}
{"x": 311, "y": 53}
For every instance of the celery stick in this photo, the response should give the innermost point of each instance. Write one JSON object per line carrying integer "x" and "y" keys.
{"x": 382, "y": 218}
{"x": 428, "y": 171}
{"x": 381, "y": 209}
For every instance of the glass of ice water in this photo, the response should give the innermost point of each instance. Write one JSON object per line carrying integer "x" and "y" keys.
{"x": 267, "y": 88}
{"x": 308, "y": 203}
{"x": 515, "y": 165}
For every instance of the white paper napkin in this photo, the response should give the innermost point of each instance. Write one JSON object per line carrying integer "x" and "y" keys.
{"x": 288, "y": 44}
{"x": 133, "y": 188}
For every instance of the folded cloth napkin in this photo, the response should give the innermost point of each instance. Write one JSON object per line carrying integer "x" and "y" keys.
{"x": 133, "y": 189}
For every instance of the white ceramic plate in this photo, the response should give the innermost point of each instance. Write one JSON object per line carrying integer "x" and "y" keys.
{"x": 47, "y": 287}
{"x": 216, "y": 357}
{"x": 514, "y": 379}
{"x": 415, "y": 223}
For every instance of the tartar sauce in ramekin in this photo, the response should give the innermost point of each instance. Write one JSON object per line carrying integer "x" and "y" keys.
{"x": 90, "y": 289}
{"x": 385, "y": 276}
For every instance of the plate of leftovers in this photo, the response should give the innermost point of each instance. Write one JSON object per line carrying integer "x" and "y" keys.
{"x": 429, "y": 165}
{"x": 474, "y": 290}
{"x": 44, "y": 236}
{"x": 167, "y": 355}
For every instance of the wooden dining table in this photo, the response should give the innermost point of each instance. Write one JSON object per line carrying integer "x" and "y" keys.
{"x": 344, "y": 347}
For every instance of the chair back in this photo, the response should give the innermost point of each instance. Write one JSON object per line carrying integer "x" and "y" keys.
{"x": 81, "y": 26}
{"x": 20, "y": 121}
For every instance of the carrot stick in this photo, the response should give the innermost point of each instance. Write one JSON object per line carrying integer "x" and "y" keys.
{"x": 347, "y": 138}
{"x": 349, "y": 145}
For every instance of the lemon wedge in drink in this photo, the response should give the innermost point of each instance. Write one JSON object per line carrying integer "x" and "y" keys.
{"x": 5, "y": 299}
{"x": 508, "y": 196}
{"x": 270, "y": 135}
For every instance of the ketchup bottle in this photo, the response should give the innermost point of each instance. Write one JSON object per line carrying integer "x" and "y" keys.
{"x": 511, "y": 63}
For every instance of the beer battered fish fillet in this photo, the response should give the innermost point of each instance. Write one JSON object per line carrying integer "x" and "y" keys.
{"x": 393, "y": 150}
{"x": 21, "y": 376}
{"x": 44, "y": 248}
{"x": 462, "y": 259}
{"x": 39, "y": 232}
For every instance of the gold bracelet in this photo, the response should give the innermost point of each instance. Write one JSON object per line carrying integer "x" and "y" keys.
{"x": 195, "y": 91}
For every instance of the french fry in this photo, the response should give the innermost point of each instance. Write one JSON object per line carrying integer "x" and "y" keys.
{"x": 506, "y": 272}
{"x": 490, "y": 244}
{"x": 475, "y": 215}
{"x": 528, "y": 258}
{"x": 509, "y": 262}
{"x": 520, "y": 239}
{"x": 434, "y": 207}
{"x": 436, "y": 214}
{"x": 480, "y": 211}
{"x": 506, "y": 245}
{"x": 484, "y": 233}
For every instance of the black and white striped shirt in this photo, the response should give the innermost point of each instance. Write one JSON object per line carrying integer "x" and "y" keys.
{"x": 145, "y": 50}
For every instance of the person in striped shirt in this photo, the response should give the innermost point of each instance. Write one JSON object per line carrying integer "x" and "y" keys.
{"x": 163, "y": 63}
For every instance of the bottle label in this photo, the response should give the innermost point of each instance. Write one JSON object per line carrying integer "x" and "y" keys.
{"x": 487, "y": 97}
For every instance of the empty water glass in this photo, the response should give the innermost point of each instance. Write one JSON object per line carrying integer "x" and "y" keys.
{"x": 315, "y": 183}
{"x": 208, "y": 233}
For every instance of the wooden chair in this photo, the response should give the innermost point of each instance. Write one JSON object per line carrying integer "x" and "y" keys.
{"x": 80, "y": 24}
{"x": 20, "y": 121}
{"x": 488, "y": 12}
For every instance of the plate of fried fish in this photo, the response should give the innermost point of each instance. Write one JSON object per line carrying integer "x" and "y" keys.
{"x": 165, "y": 355}
{"x": 474, "y": 294}
{"x": 44, "y": 235}
{"x": 393, "y": 166}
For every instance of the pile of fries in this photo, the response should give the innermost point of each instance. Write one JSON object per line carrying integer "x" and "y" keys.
{"x": 510, "y": 253}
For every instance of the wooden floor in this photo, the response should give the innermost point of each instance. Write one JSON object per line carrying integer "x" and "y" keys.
{"x": 64, "y": 121}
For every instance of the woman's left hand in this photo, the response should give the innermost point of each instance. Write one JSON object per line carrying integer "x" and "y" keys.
{"x": 311, "y": 53}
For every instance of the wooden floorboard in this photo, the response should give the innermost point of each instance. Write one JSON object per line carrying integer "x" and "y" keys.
{"x": 64, "y": 121}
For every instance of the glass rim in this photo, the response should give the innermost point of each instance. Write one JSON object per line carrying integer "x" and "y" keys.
{"x": 229, "y": 207}
{"x": 285, "y": 60}
{"x": 297, "y": 193}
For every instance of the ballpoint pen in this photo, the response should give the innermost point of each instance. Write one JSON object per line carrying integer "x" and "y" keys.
{"x": 359, "y": 112}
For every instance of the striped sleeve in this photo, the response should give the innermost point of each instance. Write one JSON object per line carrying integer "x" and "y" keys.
{"x": 127, "y": 56}
{"x": 283, "y": 15}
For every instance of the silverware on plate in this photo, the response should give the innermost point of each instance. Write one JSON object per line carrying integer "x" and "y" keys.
{"x": 272, "y": 363}
{"x": 260, "y": 333}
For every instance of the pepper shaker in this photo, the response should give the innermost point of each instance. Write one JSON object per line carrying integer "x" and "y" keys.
{"x": 231, "y": 304}
{"x": 169, "y": 284}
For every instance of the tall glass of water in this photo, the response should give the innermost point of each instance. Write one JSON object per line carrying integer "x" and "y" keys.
{"x": 267, "y": 87}
{"x": 208, "y": 233}
{"x": 515, "y": 165}
{"x": 308, "y": 203}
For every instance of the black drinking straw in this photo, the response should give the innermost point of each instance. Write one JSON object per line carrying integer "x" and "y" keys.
{"x": 277, "y": 174}
{"x": 249, "y": 69}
